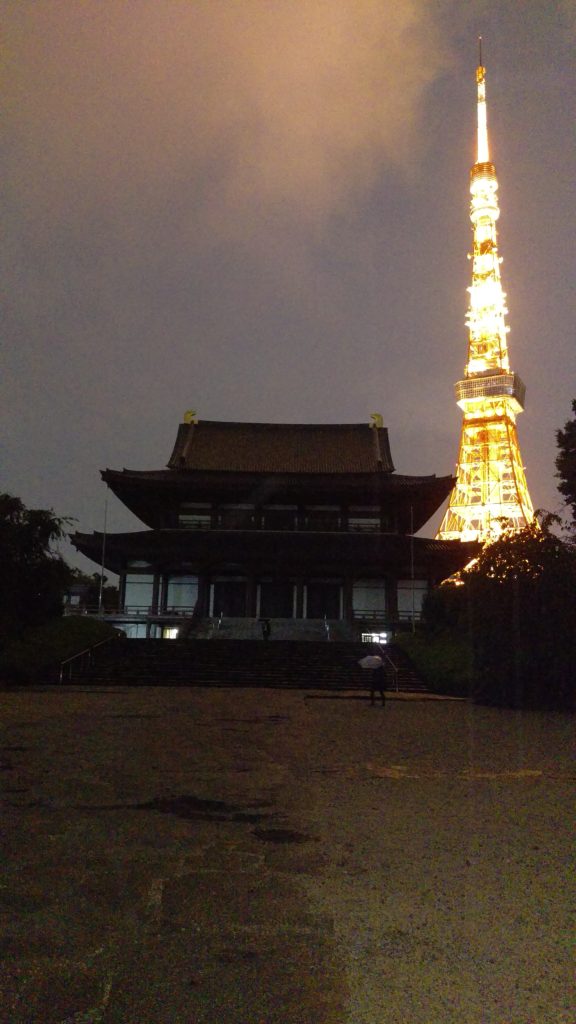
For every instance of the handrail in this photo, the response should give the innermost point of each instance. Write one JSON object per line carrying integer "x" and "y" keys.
{"x": 81, "y": 654}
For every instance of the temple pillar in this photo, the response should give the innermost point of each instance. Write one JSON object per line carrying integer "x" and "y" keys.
{"x": 299, "y": 598}
{"x": 162, "y": 593}
{"x": 347, "y": 605}
{"x": 155, "y": 593}
{"x": 391, "y": 588}
{"x": 203, "y": 599}
{"x": 251, "y": 597}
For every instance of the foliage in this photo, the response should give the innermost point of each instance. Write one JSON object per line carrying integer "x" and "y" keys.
{"x": 33, "y": 575}
{"x": 442, "y": 658}
{"x": 90, "y": 587}
{"x": 516, "y": 603}
{"x": 35, "y": 654}
{"x": 526, "y": 554}
{"x": 566, "y": 462}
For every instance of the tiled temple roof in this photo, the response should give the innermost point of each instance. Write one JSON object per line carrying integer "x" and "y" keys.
{"x": 282, "y": 447}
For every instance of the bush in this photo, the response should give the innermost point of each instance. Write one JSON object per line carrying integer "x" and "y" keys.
{"x": 442, "y": 659}
{"x": 515, "y": 605}
{"x": 37, "y": 653}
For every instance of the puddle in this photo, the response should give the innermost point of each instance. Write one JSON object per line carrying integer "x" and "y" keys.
{"x": 132, "y": 716}
{"x": 261, "y": 720}
{"x": 282, "y": 835}
{"x": 193, "y": 808}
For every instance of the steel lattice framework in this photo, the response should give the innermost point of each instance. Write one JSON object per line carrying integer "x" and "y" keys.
{"x": 490, "y": 489}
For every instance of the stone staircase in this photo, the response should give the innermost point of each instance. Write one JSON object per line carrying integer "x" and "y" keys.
{"x": 315, "y": 630}
{"x": 282, "y": 664}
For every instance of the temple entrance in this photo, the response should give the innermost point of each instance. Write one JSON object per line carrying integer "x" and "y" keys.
{"x": 228, "y": 598}
{"x": 323, "y": 599}
{"x": 276, "y": 600}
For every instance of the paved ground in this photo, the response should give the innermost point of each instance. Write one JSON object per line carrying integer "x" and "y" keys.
{"x": 263, "y": 857}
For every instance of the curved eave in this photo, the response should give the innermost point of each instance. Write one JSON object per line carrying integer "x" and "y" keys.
{"x": 284, "y": 553}
{"x": 150, "y": 494}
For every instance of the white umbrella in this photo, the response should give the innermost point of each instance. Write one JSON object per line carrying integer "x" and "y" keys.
{"x": 371, "y": 661}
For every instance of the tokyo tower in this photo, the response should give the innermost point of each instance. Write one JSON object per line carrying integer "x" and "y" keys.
{"x": 490, "y": 490}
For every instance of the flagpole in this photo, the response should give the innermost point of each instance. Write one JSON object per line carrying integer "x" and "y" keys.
{"x": 101, "y": 590}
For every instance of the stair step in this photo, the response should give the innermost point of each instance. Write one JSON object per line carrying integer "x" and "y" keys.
{"x": 282, "y": 664}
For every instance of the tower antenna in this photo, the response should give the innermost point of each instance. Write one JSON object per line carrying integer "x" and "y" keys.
{"x": 480, "y": 50}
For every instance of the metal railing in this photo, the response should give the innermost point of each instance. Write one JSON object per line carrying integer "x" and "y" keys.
{"x": 370, "y": 615}
{"x": 80, "y": 660}
{"x": 270, "y": 526}
{"x": 142, "y": 611}
{"x": 90, "y": 609}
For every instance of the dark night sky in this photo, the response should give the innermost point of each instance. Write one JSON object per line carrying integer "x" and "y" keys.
{"x": 258, "y": 209}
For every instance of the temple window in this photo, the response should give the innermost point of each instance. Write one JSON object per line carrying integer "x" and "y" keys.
{"x": 411, "y": 594}
{"x": 369, "y": 599}
{"x": 181, "y": 594}
{"x": 322, "y": 518}
{"x": 235, "y": 517}
{"x": 134, "y": 630}
{"x": 138, "y": 593}
{"x": 194, "y": 517}
{"x": 279, "y": 517}
{"x": 364, "y": 519}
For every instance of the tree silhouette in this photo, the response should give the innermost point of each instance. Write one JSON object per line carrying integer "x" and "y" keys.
{"x": 33, "y": 575}
{"x": 566, "y": 463}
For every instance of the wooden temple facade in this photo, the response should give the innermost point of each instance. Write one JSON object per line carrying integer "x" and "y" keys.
{"x": 275, "y": 521}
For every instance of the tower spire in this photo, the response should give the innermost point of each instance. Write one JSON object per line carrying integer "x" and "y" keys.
{"x": 490, "y": 489}
{"x": 483, "y": 154}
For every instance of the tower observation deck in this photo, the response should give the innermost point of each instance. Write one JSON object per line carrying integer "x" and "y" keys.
{"x": 490, "y": 490}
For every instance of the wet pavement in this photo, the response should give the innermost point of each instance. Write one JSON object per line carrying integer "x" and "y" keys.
{"x": 268, "y": 857}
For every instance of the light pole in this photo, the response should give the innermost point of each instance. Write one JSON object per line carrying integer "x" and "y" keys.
{"x": 412, "y": 566}
{"x": 101, "y": 588}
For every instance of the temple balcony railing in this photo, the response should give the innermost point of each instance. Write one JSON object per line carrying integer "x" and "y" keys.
{"x": 132, "y": 611}
{"x": 370, "y": 614}
{"x": 382, "y": 616}
{"x": 316, "y": 526}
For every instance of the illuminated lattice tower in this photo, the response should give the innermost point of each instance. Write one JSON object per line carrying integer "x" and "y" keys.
{"x": 490, "y": 488}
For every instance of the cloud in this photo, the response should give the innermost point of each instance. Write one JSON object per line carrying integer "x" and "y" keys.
{"x": 247, "y": 112}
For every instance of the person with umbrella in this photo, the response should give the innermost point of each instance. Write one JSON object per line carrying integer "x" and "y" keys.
{"x": 373, "y": 664}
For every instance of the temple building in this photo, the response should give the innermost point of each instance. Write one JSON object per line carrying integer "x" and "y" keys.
{"x": 285, "y": 522}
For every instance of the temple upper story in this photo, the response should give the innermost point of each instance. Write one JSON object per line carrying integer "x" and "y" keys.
{"x": 269, "y": 476}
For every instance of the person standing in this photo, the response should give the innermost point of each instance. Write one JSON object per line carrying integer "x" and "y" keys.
{"x": 378, "y": 682}
{"x": 374, "y": 664}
